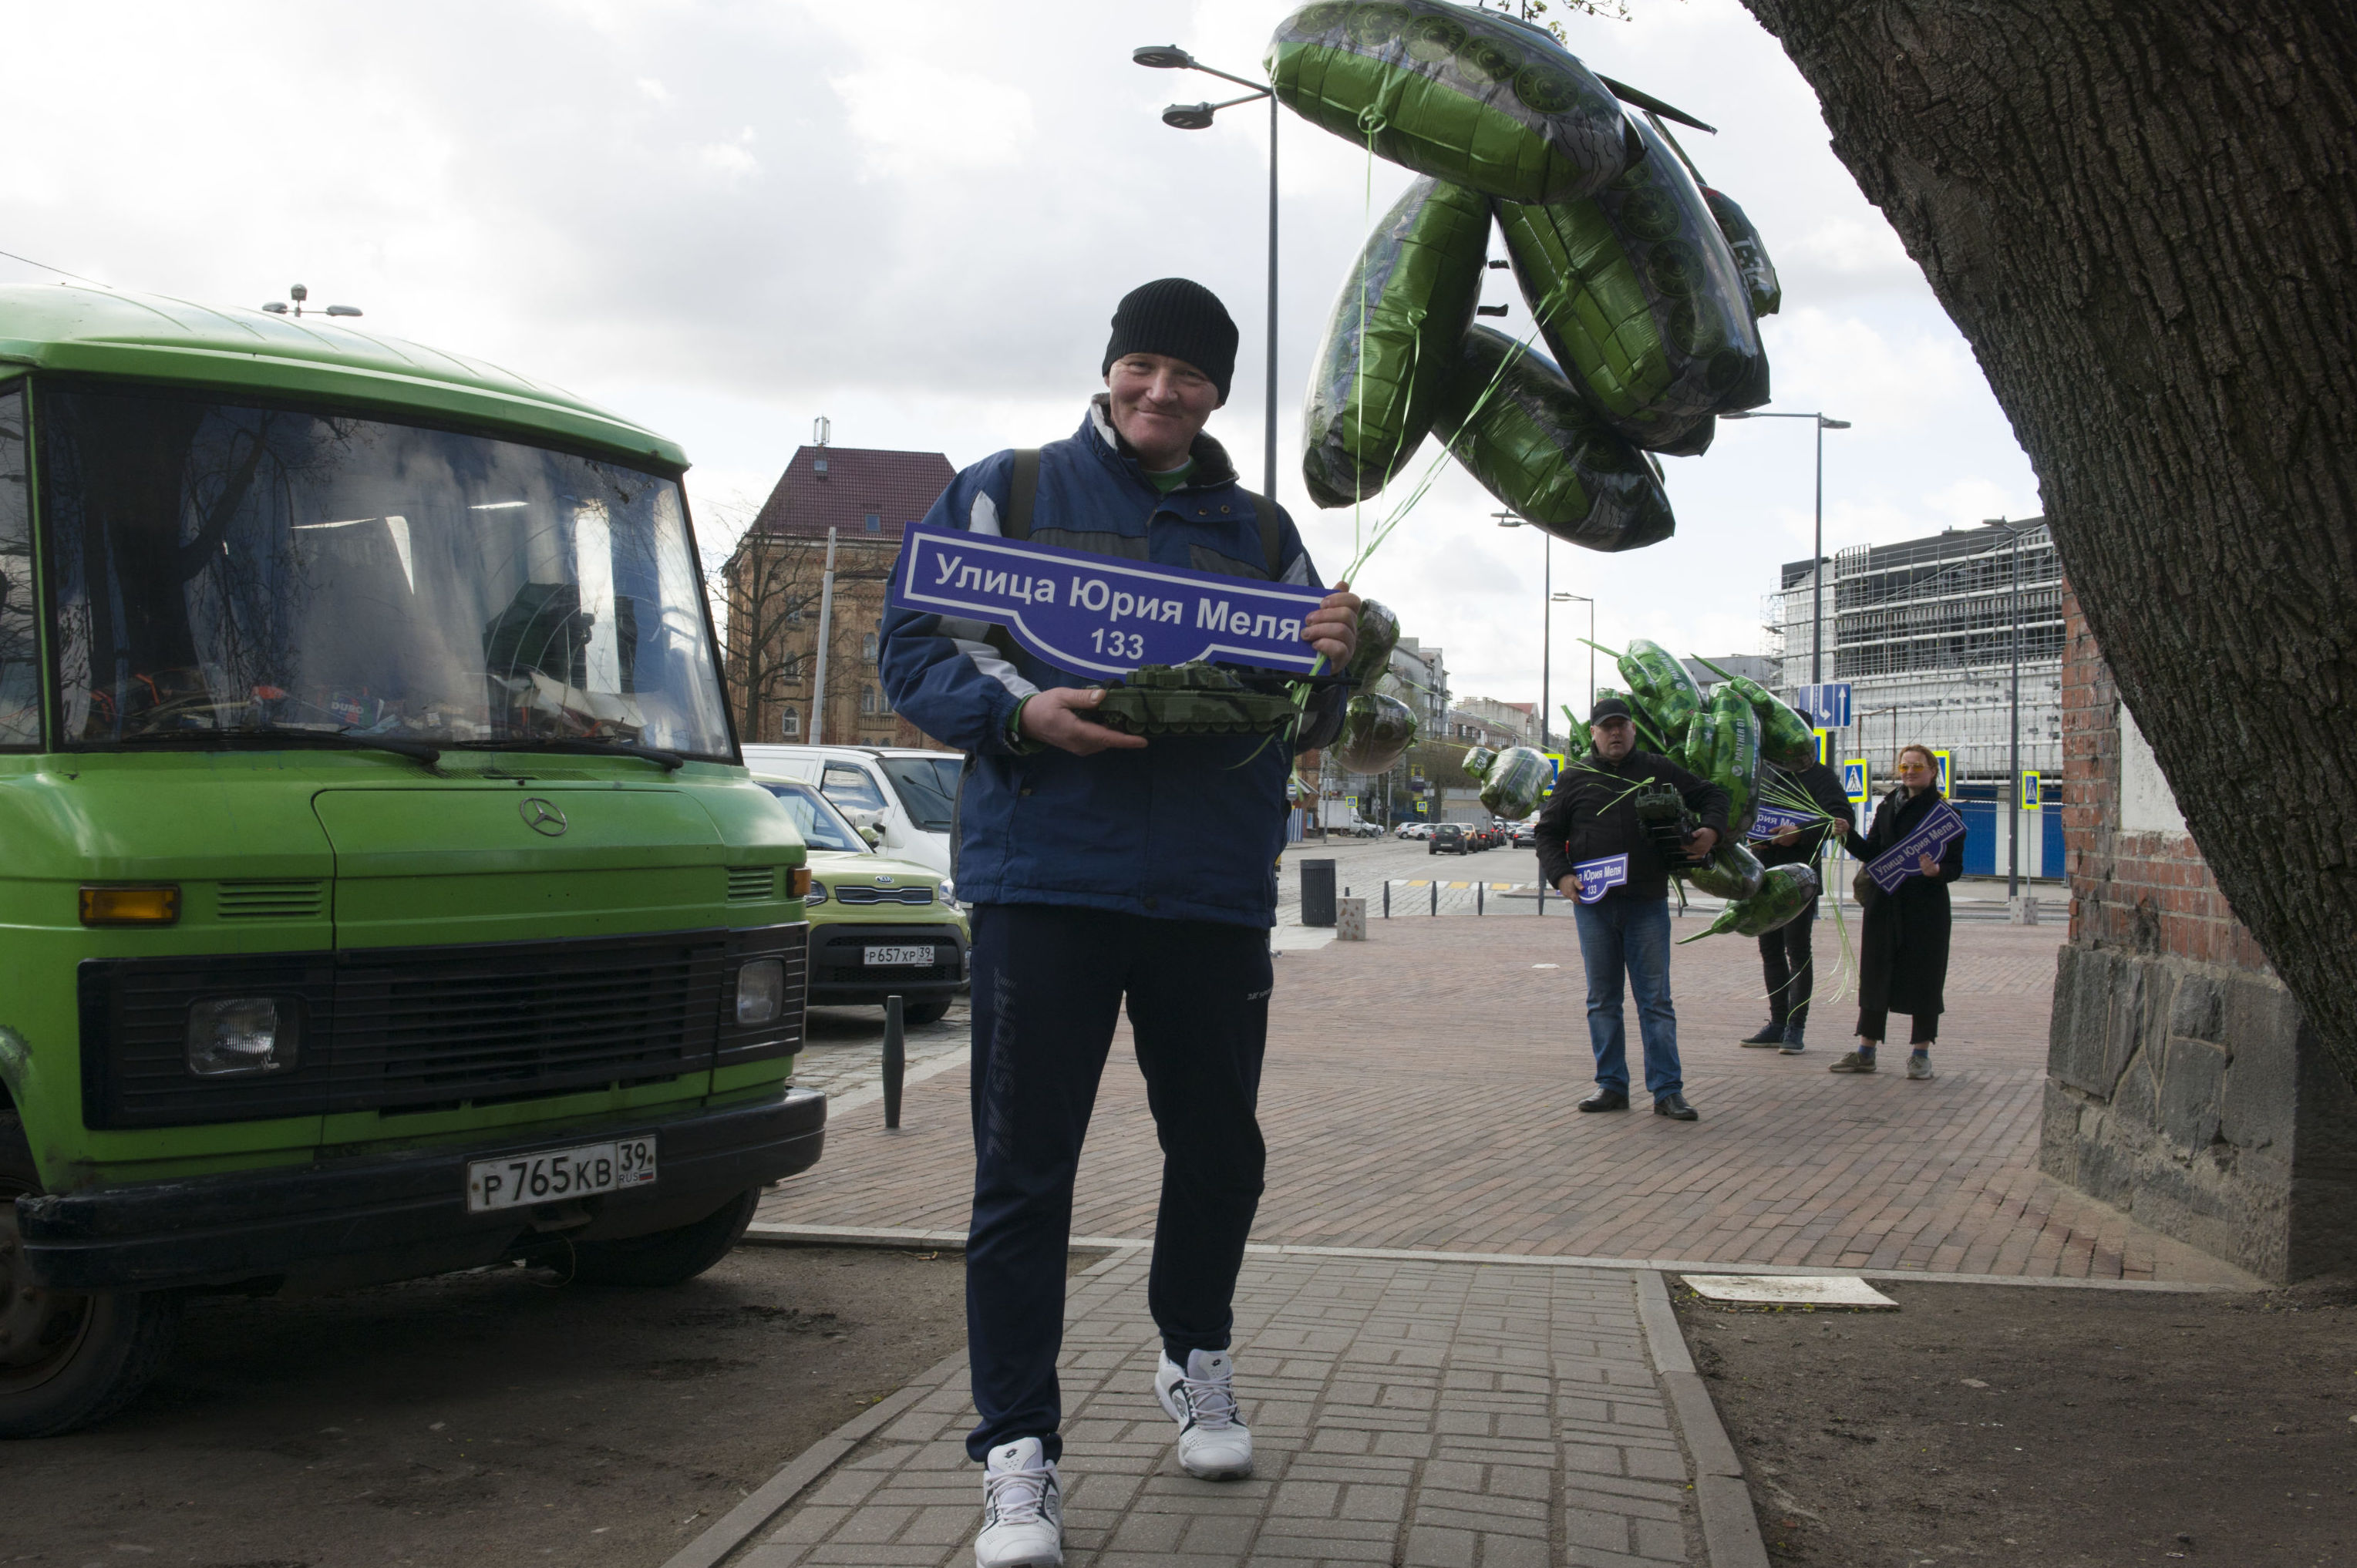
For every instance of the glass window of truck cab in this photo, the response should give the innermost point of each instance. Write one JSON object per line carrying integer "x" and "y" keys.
{"x": 220, "y": 571}
{"x": 20, "y": 651}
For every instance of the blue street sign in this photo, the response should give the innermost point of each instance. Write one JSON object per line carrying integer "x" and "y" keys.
{"x": 2029, "y": 791}
{"x": 1825, "y": 706}
{"x": 1853, "y": 775}
{"x": 1946, "y": 765}
{"x": 1094, "y": 614}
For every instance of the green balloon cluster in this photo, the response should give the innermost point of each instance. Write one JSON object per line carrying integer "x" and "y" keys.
{"x": 1646, "y": 287}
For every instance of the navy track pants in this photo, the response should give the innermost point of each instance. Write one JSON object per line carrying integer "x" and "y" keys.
{"x": 1049, "y": 984}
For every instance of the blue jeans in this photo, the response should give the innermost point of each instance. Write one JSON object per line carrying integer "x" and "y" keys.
{"x": 1620, "y": 932}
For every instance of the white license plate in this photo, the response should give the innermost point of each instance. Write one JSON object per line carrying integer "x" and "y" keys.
{"x": 556, "y": 1174}
{"x": 900, "y": 957}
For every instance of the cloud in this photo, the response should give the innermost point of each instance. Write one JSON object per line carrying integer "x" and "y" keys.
{"x": 917, "y": 120}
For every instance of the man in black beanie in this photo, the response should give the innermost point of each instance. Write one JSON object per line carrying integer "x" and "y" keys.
{"x": 1105, "y": 872}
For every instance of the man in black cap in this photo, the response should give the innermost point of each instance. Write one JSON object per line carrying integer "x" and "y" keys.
{"x": 1593, "y": 849}
{"x": 1787, "y": 954}
{"x": 1105, "y": 872}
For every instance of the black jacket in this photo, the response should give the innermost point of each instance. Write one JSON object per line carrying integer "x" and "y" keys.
{"x": 1903, "y": 952}
{"x": 1593, "y": 814}
{"x": 1821, "y": 785}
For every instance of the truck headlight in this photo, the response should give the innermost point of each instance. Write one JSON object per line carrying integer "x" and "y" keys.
{"x": 760, "y": 991}
{"x": 235, "y": 1036}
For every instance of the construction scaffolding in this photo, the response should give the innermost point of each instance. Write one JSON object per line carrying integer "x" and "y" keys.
{"x": 1925, "y": 631}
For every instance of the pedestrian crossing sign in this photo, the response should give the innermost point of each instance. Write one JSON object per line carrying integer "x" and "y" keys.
{"x": 1824, "y": 748}
{"x": 1852, "y": 776}
{"x": 1942, "y": 766}
{"x": 2029, "y": 791}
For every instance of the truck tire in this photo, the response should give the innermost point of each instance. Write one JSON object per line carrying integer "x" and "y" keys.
{"x": 915, "y": 1013}
{"x": 67, "y": 1358}
{"x": 666, "y": 1257}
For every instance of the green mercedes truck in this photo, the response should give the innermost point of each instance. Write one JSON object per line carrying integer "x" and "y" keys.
{"x": 381, "y": 890}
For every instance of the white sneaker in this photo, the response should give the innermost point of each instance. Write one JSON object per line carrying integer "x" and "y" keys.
{"x": 1022, "y": 1508}
{"x": 1213, "y": 1445}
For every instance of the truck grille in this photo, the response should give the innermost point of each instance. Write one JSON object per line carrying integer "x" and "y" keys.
{"x": 411, "y": 1028}
{"x": 752, "y": 882}
{"x": 271, "y": 900}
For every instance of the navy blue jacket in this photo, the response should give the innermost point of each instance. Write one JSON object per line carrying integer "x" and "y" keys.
{"x": 1188, "y": 828}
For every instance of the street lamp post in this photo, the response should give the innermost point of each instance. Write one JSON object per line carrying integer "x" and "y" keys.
{"x": 1583, "y": 598}
{"x": 2012, "y": 795}
{"x": 1198, "y": 117}
{"x": 1817, "y": 554}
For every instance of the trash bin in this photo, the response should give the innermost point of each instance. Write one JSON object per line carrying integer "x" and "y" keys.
{"x": 1316, "y": 892}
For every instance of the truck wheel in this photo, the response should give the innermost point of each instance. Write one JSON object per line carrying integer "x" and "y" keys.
{"x": 67, "y": 1358}
{"x": 666, "y": 1257}
{"x": 915, "y": 1013}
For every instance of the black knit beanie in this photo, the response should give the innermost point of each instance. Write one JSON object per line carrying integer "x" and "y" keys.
{"x": 1180, "y": 317}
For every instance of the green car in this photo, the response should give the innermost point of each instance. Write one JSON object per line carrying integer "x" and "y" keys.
{"x": 879, "y": 926}
{"x": 383, "y": 893}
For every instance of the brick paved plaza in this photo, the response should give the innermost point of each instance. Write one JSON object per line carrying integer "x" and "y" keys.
{"x": 1441, "y": 1415}
{"x": 1419, "y": 1094}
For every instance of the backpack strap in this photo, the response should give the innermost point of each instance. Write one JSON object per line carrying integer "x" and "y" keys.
{"x": 1271, "y": 538}
{"x": 1017, "y": 523}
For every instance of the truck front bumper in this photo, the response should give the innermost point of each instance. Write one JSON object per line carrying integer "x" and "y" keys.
{"x": 400, "y": 1215}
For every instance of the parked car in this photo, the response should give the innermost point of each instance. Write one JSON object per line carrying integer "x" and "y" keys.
{"x": 385, "y": 896}
{"x": 908, "y": 796}
{"x": 879, "y": 925}
{"x": 1447, "y": 838}
{"x": 1525, "y": 835}
{"x": 1415, "y": 830}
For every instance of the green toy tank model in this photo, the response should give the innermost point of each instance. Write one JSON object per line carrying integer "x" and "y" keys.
{"x": 1196, "y": 699}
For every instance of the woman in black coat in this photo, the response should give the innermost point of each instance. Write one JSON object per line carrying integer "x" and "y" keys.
{"x": 1903, "y": 955}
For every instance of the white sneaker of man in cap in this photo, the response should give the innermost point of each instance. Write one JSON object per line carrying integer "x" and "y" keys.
{"x": 1080, "y": 917}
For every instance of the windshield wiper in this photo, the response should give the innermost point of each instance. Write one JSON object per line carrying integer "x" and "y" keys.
{"x": 271, "y": 739}
{"x": 669, "y": 761}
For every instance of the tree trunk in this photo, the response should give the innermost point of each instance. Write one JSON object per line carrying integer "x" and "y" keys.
{"x": 2140, "y": 214}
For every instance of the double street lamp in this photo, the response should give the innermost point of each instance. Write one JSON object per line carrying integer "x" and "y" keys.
{"x": 1198, "y": 117}
{"x": 1816, "y": 555}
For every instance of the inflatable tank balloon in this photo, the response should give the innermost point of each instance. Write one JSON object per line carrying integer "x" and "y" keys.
{"x": 1735, "y": 767}
{"x": 1517, "y": 783}
{"x": 1731, "y": 871}
{"x": 1377, "y": 730}
{"x": 1379, "y": 633}
{"x": 1392, "y": 340}
{"x": 1784, "y": 892}
{"x": 1749, "y": 250}
{"x": 1193, "y": 699}
{"x": 1478, "y": 762}
{"x": 1450, "y": 91}
{"x": 1514, "y": 422}
{"x": 1637, "y": 294}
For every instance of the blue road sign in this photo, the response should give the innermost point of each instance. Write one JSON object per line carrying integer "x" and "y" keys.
{"x": 1825, "y": 706}
{"x": 2029, "y": 791}
{"x": 1853, "y": 775}
{"x": 1094, "y": 614}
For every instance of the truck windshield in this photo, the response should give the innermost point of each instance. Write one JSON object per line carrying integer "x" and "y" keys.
{"x": 927, "y": 787}
{"x": 222, "y": 571}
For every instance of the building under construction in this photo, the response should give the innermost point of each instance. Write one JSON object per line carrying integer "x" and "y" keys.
{"x": 1925, "y": 632}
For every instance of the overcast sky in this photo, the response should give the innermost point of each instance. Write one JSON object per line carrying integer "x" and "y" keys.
{"x": 723, "y": 220}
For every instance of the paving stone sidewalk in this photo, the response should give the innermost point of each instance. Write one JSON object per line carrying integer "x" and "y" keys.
{"x": 1428, "y": 1415}
{"x": 1420, "y": 1092}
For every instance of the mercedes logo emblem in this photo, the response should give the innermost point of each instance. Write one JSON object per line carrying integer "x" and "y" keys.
{"x": 541, "y": 816}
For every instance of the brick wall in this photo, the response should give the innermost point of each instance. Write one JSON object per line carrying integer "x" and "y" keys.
{"x": 2147, "y": 892}
{"x": 2182, "y": 1083}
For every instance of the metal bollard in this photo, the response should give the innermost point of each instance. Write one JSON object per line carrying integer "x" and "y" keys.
{"x": 1480, "y": 892}
{"x": 1436, "y": 896}
{"x": 896, "y": 1061}
{"x": 1387, "y": 898}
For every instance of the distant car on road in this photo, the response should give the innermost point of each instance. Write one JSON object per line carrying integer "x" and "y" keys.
{"x": 1525, "y": 835}
{"x": 1447, "y": 838}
